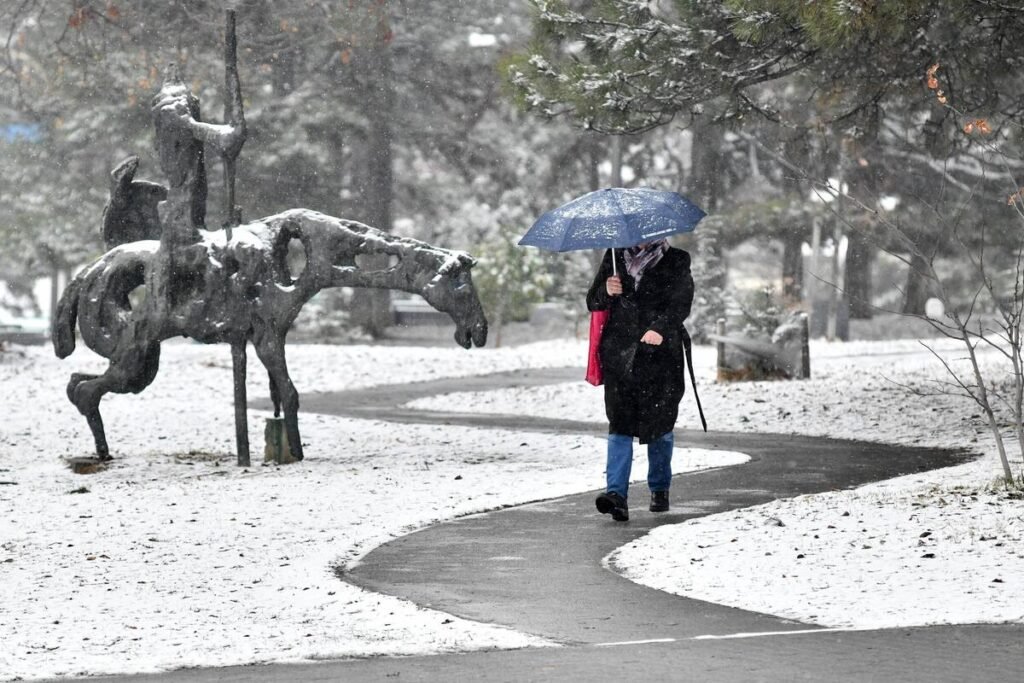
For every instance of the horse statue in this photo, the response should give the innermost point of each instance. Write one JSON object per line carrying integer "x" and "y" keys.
{"x": 242, "y": 291}
{"x": 232, "y": 286}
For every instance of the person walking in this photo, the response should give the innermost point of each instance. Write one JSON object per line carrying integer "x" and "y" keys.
{"x": 648, "y": 294}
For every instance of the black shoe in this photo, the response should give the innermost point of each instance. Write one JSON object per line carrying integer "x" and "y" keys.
{"x": 659, "y": 501}
{"x": 615, "y": 504}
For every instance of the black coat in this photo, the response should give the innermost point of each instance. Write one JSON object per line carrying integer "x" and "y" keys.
{"x": 643, "y": 384}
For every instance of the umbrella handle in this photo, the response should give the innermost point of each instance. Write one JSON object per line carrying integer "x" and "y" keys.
{"x": 615, "y": 269}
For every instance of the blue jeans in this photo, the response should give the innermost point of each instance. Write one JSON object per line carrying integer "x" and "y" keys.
{"x": 620, "y": 462}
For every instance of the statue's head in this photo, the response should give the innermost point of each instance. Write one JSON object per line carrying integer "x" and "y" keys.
{"x": 173, "y": 106}
{"x": 452, "y": 291}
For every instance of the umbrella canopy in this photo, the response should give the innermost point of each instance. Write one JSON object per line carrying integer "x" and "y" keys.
{"x": 613, "y": 218}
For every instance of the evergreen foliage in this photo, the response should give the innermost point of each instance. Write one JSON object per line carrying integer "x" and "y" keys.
{"x": 833, "y": 24}
{"x": 624, "y": 66}
{"x": 828, "y": 89}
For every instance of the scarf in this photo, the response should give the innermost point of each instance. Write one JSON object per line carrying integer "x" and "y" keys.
{"x": 640, "y": 258}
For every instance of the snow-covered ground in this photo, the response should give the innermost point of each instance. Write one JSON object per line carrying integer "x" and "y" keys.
{"x": 175, "y": 557}
{"x": 940, "y": 547}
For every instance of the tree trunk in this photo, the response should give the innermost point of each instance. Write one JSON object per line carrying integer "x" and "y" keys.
{"x": 371, "y": 308}
{"x": 55, "y": 271}
{"x": 859, "y": 256}
{"x": 792, "y": 266}
{"x": 706, "y": 165}
{"x": 706, "y": 172}
{"x": 594, "y": 157}
{"x": 615, "y": 152}
{"x": 916, "y": 291}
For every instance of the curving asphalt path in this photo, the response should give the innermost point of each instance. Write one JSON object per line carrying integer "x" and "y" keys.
{"x": 538, "y": 568}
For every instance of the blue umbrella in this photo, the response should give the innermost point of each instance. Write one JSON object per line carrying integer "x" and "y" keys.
{"x": 613, "y": 218}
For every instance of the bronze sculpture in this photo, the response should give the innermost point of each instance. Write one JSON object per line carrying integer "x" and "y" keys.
{"x": 232, "y": 286}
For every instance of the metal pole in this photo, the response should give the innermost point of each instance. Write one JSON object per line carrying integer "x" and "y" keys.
{"x": 233, "y": 116}
{"x": 805, "y": 347}
{"x": 241, "y": 419}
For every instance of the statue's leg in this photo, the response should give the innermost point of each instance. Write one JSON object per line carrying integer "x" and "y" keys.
{"x": 270, "y": 350}
{"x": 76, "y": 379}
{"x": 132, "y": 373}
{"x": 84, "y": 401}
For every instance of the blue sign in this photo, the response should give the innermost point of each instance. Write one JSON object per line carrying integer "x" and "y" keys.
{"x": 31, "y": 132}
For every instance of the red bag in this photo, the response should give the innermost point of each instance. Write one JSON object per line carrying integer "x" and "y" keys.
{"x": 597, "y": 321}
